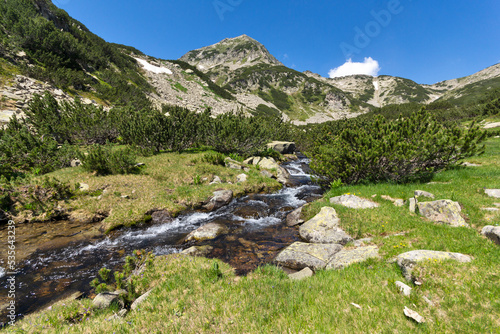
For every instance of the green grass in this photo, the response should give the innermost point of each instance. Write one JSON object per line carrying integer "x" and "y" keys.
{"x": 166, "y": 182}
{"x": 187, "y": 298}
{"x": 179, "y": 87}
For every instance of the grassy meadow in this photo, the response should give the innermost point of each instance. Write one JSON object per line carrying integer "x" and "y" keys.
{"x": 190, "y": 296}
{"x": 168, "y": 181}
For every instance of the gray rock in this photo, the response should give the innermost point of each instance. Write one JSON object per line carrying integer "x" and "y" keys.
{"x": 413, "y": 315}
{"x": 233, "y": 164}
{"x": 122, "y": 313}
{"x": 293, "y": 218}
{"x": 408, "y": 260}
{"x": 283, "y": 147}
{"x": 268, "y": 163}
{"x": 492, "y": 233}
{"x": 324, "y": 228}
{"x": 84, "y": 187}
{"x": 300, "y": 255}
{"x": 140, "y": 300}
{"x": 468, "y": 164}
{"x": 419, "y": 193}
{"x": 106, "y": 299}
{"x": 300, "y": 275}
{"x": 492, "y": 192}
{"x": 412, "y": 204}
{"x": 216, "y": 180}
{"x": 492, "y": 125}
{"x": 353, "y": 202}
{"x": 198, "y": 250}
{"x": 399, "y": 202}
{"x": 403, "y": 288}
{"x": 267, "y": 173}
{"x": 395, "y": 201}
{"x": 443, "y": 211}
{"x": 362, "y": 242}
{"x": 219, "y": 199}
{"x": 241, "y": 178}
{"x": 256, "y": 160}
{"x": 283, "y": 175}
{"x": 346, "y": 257}
{"x": 75, "y": 163}
{"x": 161, "y": 216}
{"x": 207, "y": 232}
{"x": 249, "y": 161}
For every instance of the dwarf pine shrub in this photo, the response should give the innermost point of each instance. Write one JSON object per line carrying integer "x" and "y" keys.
{"x": 401, "y": 150}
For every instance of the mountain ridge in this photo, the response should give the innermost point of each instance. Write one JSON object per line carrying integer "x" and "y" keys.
{"x": 237, "y": 73}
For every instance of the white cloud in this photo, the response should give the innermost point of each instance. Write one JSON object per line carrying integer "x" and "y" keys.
{"x": 369, "y": 66}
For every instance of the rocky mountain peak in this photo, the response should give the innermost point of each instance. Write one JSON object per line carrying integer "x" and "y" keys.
{"x": 230, "y": 54}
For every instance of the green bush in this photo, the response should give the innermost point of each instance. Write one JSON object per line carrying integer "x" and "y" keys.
{"x": 214, "y": 158}
{"x": 23, "y": 150}
{"x": 230, "y": 133}
{"x": 75, "y": 123}
{"x": 103, "y": 160}
{"x": 402, "y": 150}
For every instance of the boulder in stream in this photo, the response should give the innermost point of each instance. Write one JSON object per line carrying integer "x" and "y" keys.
{"x": 218, "y": 200}
{"x": 207, "y": 232}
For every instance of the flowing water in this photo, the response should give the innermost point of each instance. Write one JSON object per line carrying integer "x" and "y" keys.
{"x": 257, "y": 232}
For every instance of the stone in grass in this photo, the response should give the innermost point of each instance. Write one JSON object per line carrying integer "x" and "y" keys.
{"x": 443, "y": 211}
{"x": 403, "y": 288}
{"x": 267, "y": 173}
{"x": 139, "y": 300}
{"x": 408, "y": 260}
{"x": 303, "y": 274}
{"x": 395, "y": 201}
{"x": 106, "y": 299}
{"x": 346, "y": 257}
{"x": 232, "y": 164}
{"x": 198, "y": 250}
{"x": 241, "y": 178}
{"x": 353, "y": 202}
{"x": 495, "y": 193}
{"x": 492, "y": 233}
{"x": 419, "y": 193}
{"x": 469, "y": 164}
{"x": 399, "y": 202}
{"x": 300, "y": 255}
{"x": 268, "y": 163}
{"x": 207, "y": 232}
{"x": 413, "y": 315}
{"x": 216, "y": 180}
{"x": 324, "y": 228}
{"x": 412, "y": 204}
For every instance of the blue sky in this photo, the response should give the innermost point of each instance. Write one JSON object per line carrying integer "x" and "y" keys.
{"x": 426, "y": 41}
